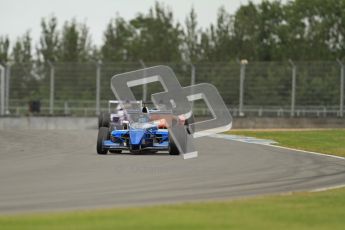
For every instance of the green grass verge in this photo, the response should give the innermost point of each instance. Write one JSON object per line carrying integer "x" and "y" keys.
{"x": 323, "y": 141}
{"x": 323, "y": 210}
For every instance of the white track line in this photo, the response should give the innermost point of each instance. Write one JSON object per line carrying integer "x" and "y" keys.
{"x": 304, "y": 151}
{"x": 327, "y": 188}
{"x": 270, "y": 143}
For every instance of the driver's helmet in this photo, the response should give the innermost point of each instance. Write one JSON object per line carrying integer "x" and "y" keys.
{"x": 119, "y": 107}
{"x": 144, "y": 109}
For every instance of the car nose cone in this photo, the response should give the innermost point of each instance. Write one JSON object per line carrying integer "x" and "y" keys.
{"x": 136, "y": 135}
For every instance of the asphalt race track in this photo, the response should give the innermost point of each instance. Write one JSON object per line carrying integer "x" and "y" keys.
{"x": 57, "y": 170}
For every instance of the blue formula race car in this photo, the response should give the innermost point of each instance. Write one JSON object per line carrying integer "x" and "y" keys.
{"x": 140, "y": 135}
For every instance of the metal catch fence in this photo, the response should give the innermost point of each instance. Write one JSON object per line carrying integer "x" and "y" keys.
{"x": 308, "y": 89}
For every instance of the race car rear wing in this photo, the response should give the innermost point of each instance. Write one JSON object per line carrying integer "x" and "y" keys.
{"x": 123, "y": 103}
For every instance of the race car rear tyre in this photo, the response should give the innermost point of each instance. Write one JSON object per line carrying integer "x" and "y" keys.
{"x": 105, "y": 120}
{"x": 103, "y": 134}
{"x": 115, "y": 151}
{"x": 173, "y": 150}
{"x": 100, "y": 120}
{"x": 189, "y": 123}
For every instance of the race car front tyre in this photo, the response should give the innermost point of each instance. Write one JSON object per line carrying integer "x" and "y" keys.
{"x": 103, "y": 134}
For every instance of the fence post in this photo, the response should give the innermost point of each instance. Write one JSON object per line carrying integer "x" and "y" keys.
{"x": 98, "y": 86}
{"x": 341, "y": 105}
{"x": 7, "y": 91}
{"x": 243, "y": 63}
{"x": 142, "y": 63}
{"x": 293, "y": 88}
{"x": 2, "y": 90}
{"x": 52, "y": 88}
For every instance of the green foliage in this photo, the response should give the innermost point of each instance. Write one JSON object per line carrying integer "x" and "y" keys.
{"x": 21, "y": 52}
{"x": 245, "y": 32}
{"x": 71, "y": 44}
{"x": 266, "y": 31}
{"x": 268, "y": 84}
{"x": 191, "y": 38}
{"x": 75, "y": 44}
{"x": 49, "y": 41}
{"x": 317, "y": 83}
{"x": 273, "y": 31}
{"x": 117, "y": 40}
{"x": 4, "y": 49}
{"x": 22, "y": 69}
{"x": 157, "y": 38}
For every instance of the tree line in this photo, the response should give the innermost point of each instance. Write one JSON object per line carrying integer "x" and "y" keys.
{"x": 270, "y": 31}
{"x": 267, "y": 31}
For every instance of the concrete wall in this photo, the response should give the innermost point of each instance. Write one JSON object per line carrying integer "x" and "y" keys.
{"x": 48, "y": 123}
{"x": 239, "y": 123}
